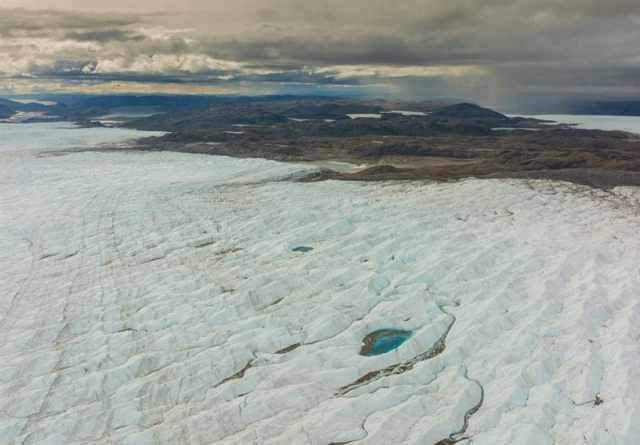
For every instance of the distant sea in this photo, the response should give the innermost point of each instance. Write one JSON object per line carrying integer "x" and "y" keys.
{"x": 629, "y": 124}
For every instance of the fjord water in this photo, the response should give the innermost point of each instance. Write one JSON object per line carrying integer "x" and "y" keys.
{"x": 154, "y": 298}
{"x": 629, "y": 124}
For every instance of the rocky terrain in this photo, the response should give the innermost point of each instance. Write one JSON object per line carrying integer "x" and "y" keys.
{"x": 388, "y": 140}
{"x": 426, "y": 140}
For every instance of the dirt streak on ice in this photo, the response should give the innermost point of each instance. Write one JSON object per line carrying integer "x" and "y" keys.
{"x": 144, "y": 298}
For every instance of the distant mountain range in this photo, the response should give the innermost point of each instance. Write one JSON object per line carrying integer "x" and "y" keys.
{"x": 9, "y": 107}
{"x": 303, "y": 117}
{"x": 83, "y": 107}
{"x": 79, "y": 107}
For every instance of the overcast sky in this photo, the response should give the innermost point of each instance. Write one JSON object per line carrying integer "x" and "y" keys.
{"x": 492, "y": 51}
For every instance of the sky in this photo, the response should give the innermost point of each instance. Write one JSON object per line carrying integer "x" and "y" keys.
{"x": 510, "y": 53}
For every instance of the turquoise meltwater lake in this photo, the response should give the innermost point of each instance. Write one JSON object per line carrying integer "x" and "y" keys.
{"x": 383, "y": 341}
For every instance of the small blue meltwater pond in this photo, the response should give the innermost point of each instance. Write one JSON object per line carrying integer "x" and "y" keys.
{"x": 383, "y": 341}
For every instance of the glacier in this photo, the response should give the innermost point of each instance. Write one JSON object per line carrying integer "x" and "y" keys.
{"x": 156, "y": 298}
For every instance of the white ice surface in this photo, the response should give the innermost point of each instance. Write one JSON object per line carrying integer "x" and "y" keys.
{"x": 364, "y": 115}
{"x": 135, "y": 286}
{"x": 18, "y": 139}
{"x": 409, "y": 113}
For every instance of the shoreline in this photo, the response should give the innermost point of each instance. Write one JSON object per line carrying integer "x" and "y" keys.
{"x": 441, "y": 169}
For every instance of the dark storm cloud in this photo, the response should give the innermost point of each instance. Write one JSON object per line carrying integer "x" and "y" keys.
{"x": 487, "y": 32}
{"x": 26, "y": 23}
{"x": 487, "y": 49}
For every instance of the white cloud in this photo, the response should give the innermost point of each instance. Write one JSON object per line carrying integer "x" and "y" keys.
{"x": 391, "y": 71}
{"x": 162, "y": 63}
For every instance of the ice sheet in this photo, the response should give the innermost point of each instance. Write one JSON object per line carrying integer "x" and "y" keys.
{"x": 155, "y": 298}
